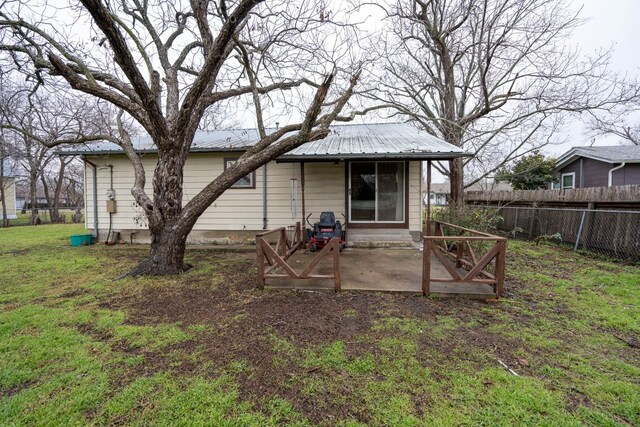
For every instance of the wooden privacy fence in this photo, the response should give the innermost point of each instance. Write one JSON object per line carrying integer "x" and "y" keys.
{"x": 620, "y": 195}
{"x": 272, "y": 261}
{"x": 481, "y": 255}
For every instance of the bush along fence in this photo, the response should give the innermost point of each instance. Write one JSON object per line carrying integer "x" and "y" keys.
{"x": 608, "y": 232}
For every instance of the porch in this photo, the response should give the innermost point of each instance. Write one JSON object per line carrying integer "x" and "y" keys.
{"x": 456, "y": 261}
{"x": 386, "y": 270}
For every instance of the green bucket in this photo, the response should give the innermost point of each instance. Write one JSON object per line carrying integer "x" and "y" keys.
{"x": 81, "y": 239}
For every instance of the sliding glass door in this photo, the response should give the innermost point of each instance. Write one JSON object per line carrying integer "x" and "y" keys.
{"x": 376, "y": 192}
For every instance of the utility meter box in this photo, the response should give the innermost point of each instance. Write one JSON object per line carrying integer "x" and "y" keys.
{"x": 111, "y": 206}
{"x": 111, "y": 194}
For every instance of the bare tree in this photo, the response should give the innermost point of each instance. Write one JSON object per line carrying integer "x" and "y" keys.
{"x": 54, "y": 180}
{"x": 33, "y": 121}
{"x": 494, "y": 76}
{"x": 622, "y": 120}
{"x": 167, "y": 63}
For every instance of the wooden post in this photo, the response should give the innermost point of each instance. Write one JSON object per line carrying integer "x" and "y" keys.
{"x": 438, "y": 230}
{"x": 336, "y": 263}
{"x": 428, "y": 197}
{"x": 297, "y": 238}
{"x": 281, "y": 247}
{"x": 459, "y": 252}
{"x": 500, "y": 266}
{"x": 304, "y": 211}
{"x": 426, "y": 266}
{"x": 260, "y": 256}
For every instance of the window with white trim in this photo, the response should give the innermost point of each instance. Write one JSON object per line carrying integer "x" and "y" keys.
{"x": 247, "y": 181}
{"x": 568, "y": 180}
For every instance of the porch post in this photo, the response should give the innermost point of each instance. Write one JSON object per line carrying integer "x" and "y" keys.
{"x": 304, "y": 213}
{"x": 429, "y": 197}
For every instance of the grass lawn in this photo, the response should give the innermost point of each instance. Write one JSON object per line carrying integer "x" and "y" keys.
{"x": 207, "y": 348}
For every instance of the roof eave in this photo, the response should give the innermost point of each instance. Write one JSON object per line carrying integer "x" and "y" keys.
{"x": 370, "y": 156}
{"x": 569, "y": 159}
{"x": 148, "y": 151}
{"x": 293, "y": 158}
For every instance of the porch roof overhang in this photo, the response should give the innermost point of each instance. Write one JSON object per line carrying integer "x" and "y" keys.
{"x": 364, "y": 156}
{"x": 377, "y": 141}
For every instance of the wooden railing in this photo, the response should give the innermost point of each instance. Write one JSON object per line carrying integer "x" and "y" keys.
{"x": 459, "y": 248}
{"x": 272, "y": 261}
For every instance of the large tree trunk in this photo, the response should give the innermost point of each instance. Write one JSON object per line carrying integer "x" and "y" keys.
{"x": 457, "y": 183}
{"x": 168, "y": 231}
{"x": 166, "y": 255}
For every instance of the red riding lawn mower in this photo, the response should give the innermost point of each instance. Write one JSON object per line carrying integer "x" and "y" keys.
{"x": 324, "y": 230}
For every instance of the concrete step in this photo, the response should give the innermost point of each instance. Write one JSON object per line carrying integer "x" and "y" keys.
{"x": 379, "y": 238}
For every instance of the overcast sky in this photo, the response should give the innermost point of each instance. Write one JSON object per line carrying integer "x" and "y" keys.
{"x": 610, "y": 22}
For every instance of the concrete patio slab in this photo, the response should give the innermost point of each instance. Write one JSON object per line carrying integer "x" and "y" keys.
{"x": 387, "y": 270}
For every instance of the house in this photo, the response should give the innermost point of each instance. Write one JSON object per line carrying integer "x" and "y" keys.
{"x": 370, "y": 175}
{"x": 23, "y": 198}
{"x": 604, "y": 166}
{"x": 440, "y": 192}
{"x": 7, "y": 181}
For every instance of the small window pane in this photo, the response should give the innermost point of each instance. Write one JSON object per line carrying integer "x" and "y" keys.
{"x": 244, "y": 182}
{"x": 567, "y": 181}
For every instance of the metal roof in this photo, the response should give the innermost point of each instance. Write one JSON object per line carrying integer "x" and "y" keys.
{"x": 380, "y": 140}
{"x": 608, "y": 154}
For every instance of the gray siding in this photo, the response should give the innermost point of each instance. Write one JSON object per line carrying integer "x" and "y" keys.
{"x": 629, "y": 174}
{"x": 594, "y": 173}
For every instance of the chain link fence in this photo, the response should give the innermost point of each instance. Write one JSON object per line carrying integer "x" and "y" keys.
{"x": 613, "y": 233}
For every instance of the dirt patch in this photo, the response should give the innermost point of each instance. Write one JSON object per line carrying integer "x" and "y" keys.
{"x": 11, "y": 391}
{"x": 234, "y": 322}
{"x": 239, "y": 323}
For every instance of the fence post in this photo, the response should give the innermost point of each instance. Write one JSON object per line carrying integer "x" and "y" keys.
{"x": 515, "y": 224}
{"x": 459, "y": 252}
{"x": 584, "y": 214}
{"x": 426, "y": 266}
{"x": 260, "y": 256}
{"x": 501, "y": 261}
{"x": 336, "y": 263}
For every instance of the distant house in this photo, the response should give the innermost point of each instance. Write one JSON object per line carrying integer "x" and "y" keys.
{"x": 23, "y": 199}
{"x": 7, "y": 180}
{"x": 440, "y": 192}
{"x": 604, "y": 166}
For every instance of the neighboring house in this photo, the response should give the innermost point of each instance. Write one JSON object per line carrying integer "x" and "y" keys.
{"x": 22, "y": 197}
{"x": 440, "y": 192}
{"x": 9, "y": 184}
{"x": 439, "y": 195}
{"x": 369, "y": 175}
{"x": 604, "y": 166}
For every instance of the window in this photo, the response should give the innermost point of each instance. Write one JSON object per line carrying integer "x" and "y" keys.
{"x": 568, "y": 180}
{"x": 247, "y": 181}
{"x": 377, "y": 191}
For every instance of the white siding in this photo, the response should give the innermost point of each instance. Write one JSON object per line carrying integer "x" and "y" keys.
{"x": 324, "y": 189}
{"x": 415, "y": 198}
{"x": 237, "y": 209}
{"x": 10, "y": 197}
